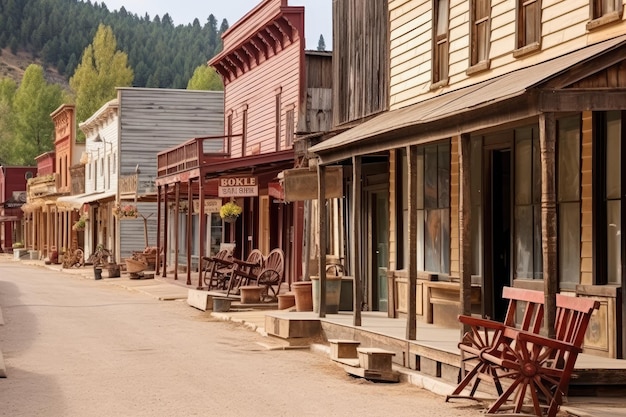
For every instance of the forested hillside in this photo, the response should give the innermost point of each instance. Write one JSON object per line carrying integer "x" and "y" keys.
{"x": 57, "y": 32}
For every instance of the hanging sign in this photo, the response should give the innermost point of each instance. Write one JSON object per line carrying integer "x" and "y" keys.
{"x": 238, "y": 187}
{"x": 211, "y": 205}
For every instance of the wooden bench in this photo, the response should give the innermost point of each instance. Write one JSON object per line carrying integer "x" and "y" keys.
{"x": 537, "y": 369}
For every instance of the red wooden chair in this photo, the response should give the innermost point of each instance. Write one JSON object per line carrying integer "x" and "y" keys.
{"x": 540, "y": 368}
{"x": 245, "y": 271}
{"x": 491, "y": 336}
{"x": 271, "y": 277}
{"x": 217, "y": 270}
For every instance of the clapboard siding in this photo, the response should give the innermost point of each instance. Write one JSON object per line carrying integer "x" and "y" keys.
{"x": 255, "y": 18}
{"x": 132, "y": 230}
{"x": 563, "y": 30}
{"x": 280, "y": 72}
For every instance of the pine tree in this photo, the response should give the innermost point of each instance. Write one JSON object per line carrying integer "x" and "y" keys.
{"x": 321, "y": 45}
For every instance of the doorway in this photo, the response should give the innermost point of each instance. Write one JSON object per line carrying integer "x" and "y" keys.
{"x": 497, "y": 224}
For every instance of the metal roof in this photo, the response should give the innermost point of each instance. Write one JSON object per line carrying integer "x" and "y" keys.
{"x": 489, "y": 92}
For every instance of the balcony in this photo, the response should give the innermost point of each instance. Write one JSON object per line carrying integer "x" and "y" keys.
{"x": 128, "y": 186}
{"x": 44, "y": 185}
{"x": 193, "y": 154}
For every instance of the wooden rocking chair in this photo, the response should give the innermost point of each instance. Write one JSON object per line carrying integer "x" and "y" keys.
{"x": 217, "y": 270}
{"x": 271, "y": 277}
{"x": 245, "y": 271}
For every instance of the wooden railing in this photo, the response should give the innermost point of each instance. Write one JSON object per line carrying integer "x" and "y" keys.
{"x": 128, "y": 186}
{"x": 192, "y": 154}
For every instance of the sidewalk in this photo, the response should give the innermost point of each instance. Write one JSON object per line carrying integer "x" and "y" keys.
{"x": 254, "y": 320}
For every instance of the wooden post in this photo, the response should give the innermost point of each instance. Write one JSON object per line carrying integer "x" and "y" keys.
{"x": 306, "y": 270}
{"x": 547, "y": 141}
{"x": 202, "y": 238}
{"x": 158, "y": 232}
{"x": 189, "y": 224}
{"x": 176, "y": 227}
{"x": 166, "y": 213}
{"x": 411, "y": 322}
{"x": 321, "y": 213}
{"x": 356, "y": 241}
{"x": 465, "y": 225}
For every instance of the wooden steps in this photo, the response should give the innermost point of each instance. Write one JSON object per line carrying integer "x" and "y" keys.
{"x": 370, "y": 363}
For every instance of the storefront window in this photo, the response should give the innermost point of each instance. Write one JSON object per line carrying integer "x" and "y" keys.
{"x": 612, "y": 197}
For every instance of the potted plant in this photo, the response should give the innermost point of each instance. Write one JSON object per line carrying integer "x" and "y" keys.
{"x": 99, "y": 258}
{"x": 230, "y": 212}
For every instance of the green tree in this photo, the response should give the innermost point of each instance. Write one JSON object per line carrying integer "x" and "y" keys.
{"x": 101, "y": 70}
{"x": 321, "y": 44}
{"x": 33, "y": 132}
{"x": 7, "y": 93}
{"x": 205, "y": 78}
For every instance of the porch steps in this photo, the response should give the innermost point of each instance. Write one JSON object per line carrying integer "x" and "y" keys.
{"x": 369, "y": 363}
{"x": 294, "y": 332}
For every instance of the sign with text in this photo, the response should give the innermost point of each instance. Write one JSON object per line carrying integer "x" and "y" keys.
{"x": 211, "y": 205}
{"x": 238, "y": 187}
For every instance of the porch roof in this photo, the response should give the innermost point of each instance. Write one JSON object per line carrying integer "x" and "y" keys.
{"x": 375, "y": 134}
{"x": 77, "y": 201}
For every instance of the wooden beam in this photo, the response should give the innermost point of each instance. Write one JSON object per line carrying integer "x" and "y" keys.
{"x": 165, "y": 222}
{"x": 176, "y": 227}
{"x": 189, "y": 233}
{"x": 465, "y": 225}
{"x": 201, "y": 248}
{"x": 411, "y": 322}
{"x": 582, "y": 99}
{"x": 547, "y": 143}
{"x": 356, "y": 241}
{"x": 321, "y": 221}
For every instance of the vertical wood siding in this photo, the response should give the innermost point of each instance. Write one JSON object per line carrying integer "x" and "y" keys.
{"x": 360, "y": 59}
{"x": 563, "y": 30}
{"x": 151, "y": 120}
{"x": 257, "y": 89}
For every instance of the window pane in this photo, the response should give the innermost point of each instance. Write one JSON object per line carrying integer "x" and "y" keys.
{"x": 531, "y": 20}
{"x": 442, "y": 17}
{"x": 445, "y": 241}
{"x": 568, "y": 159}
{"x": 613, "y": 243}
{"x": 613, "y": 153}
{"x": 538, "y": 255}
{"x": 432, "y": 240}
{"x": 444, "y": 176}
{"x": 569, "y": 243}
{"x": 420, "y": 240}
{"x": 482, "y": 8}
{"x": 430, "y": 177}
{"x": 524, "y": 242}
{"x": 482, "y": 42}
{"x": 523, "y": 172}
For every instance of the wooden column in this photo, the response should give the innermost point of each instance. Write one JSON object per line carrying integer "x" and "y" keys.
{"x": 176, "y": 227}
{"x": 547, "y": 141}
{"x": 356, "y": 240}
{"x": 189, "y": 224}
{"x": 166, "y": 230}
{"x": 321, "y": 212}
{"x": 158, "y": 232}
{"x": 202, "y": 238}
{"x": 465, "y": 225}
{"x": 411, "y": 322}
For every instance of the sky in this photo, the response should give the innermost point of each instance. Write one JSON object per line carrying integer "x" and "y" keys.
{"x": 318, "y": 13}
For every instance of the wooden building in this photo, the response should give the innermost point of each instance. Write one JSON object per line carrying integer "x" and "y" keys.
{"x": 496, "y": 163}
{"x": 273, "y": 91}
{"x": 12, "y": 198}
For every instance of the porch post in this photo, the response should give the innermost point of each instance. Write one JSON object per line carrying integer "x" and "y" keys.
{"x": 188, "y": 234}
{"x": 201, "y": 248}
{"x": 465, "y": 225}
{"x": 547, "y": 141}
{"x": 158, "y": 232}
{"x": 321, "y": 217}
{"x": 356, "y": 240}
{"x": 165, "y": 230}
{"x": 176, "y": 226}
{"x": 411, "y": 321}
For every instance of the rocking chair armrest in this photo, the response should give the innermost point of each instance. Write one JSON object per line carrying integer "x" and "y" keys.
{"x": 536, "y": 339}
{"x": 245, "y": 263}
{"x": 480, "y": 322}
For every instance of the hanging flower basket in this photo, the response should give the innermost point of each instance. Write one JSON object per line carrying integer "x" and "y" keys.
{"x": 127, "y": 211}
{"x": 230, "y": 212}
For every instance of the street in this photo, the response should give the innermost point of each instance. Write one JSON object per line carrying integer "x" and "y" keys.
{"x": 79, "y": 347}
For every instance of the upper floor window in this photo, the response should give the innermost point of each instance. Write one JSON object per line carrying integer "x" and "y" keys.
{"x": 440, "y": 48}
{"x": 277, "y": 113}
{"x": 528, "y": 30}
{"x": 244, "y": 130}
{"x": 479, "y": 38}
{"x": 289, "y": 127}
{"x": 604, "y": 11}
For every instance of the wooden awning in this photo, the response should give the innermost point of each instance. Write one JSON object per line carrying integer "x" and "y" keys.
{"x": 434, "y": 119}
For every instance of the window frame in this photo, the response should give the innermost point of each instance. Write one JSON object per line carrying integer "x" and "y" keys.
{"x": 522, "y": 45}
{"x": 478, "y": 25}
{"x": 440, "y": 47}
{"x": 598, "y": 17}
